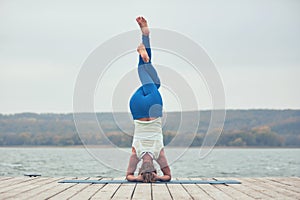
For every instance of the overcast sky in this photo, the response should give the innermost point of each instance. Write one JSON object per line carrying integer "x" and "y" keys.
{"x": 254, "y": 44}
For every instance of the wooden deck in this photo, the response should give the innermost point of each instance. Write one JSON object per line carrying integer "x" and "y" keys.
{"x": 49, "y": 188}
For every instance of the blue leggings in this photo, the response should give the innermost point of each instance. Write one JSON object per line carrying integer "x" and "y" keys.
{"x": 146, "y": 101}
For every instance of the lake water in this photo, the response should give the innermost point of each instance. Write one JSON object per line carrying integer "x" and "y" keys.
{"x": 80, "y": 163}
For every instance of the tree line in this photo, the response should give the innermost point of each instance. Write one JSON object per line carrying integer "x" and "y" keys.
{"x": 271, "y": 128}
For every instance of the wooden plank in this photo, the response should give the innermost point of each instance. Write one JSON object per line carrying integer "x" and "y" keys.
{"x": 125, "y": 191}
{"x": 4, "y": 178}
{"x": 251, "y": 188}
{"x": 287, "y": 189}
{"x": 70, "y": 192}
{"x": 56, "y": 189}
{"x": 255, "y": 184}
{"x": 142, "y": 191}
{"x": 107, "y": 191}
{"x": 160, "y": 192}
{"x": 178, "y": 192}
{"x": 246, "y": 188}
{"x": 295, "y": 178}
{"x": 279, "y": 192}
{"x": 21, "y": 192}
{"x": 12, "y": 182}
{"x": 40, "y": 187}
{"x": 232, "y": 191}
{"x": 19, "y": 182}
{"x": 288, "y": 183}
{"x": 195, "y": 192}
{"x": 212, "y": 191}
{"x": 89, "y": 191}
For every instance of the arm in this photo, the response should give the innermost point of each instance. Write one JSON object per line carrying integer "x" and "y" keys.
{"x": 133, "y": 161}
{"x": 133, "y": 178}
{"x": 165, "y": 177}
{"x": 163, "y": 163}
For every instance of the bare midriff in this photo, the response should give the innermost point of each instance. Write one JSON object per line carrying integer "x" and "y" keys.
{"x": 147, "y": 119}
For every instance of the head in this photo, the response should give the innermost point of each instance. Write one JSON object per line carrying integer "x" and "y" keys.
{"x": 146, "y": 171}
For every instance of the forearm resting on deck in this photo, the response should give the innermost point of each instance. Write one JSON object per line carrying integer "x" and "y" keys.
{"x": 163, "y": 163}
{"x": 132, "y": 178}
{"x": 163, "y": 178}
{"x": 133, "y": 161}
{"x": 167, "y": 174}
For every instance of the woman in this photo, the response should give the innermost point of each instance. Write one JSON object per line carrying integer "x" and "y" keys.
{"x": 146, "y": 109}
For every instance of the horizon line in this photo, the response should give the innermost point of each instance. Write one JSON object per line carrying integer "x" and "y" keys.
{"x": 204, "y": 110}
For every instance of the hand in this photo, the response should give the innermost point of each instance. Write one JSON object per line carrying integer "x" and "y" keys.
{"x": 161, "y": 178}
{"x": 155, "y": 176}
{"x": 139, "y": 178}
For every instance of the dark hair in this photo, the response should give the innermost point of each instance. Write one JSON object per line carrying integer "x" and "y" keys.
{"x": 146, "y": 171}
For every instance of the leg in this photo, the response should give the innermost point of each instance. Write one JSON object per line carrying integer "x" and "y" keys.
{"x": 145, "y": 38}
{"x": 153, "y": 74}
{"x": 146, "y": 69}
{"x": 146, "y": 101}
{"x": 145, "y": 51}
{"x": 148, "y": 83}
{"x": 146, "y": 43}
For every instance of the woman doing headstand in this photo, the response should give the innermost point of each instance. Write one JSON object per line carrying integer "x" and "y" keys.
{"x": 146, "y": 109}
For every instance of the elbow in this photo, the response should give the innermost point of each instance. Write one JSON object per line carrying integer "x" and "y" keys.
{"x": 165, "y": 178}
{"x": 169, "y": 178}
{"x": 130, "y": 178}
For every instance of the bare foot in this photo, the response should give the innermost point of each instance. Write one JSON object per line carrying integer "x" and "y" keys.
{"x": 143, "y": 25}
{"x": 142, "y": 51}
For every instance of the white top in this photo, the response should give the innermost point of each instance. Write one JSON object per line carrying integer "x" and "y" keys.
{"x": 148, "y": 137}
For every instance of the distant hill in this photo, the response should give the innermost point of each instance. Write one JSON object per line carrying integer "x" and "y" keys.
{"x": 272, "y": 128}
